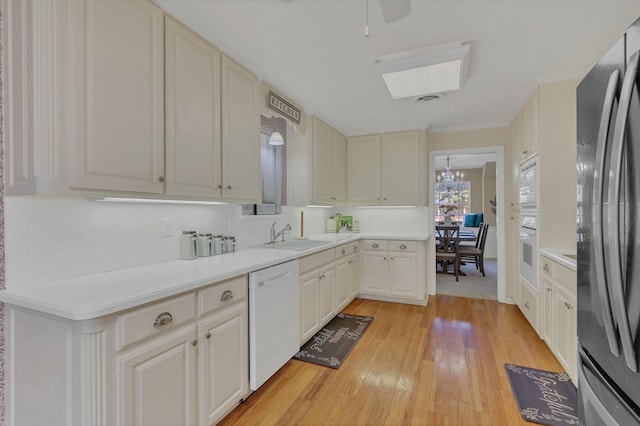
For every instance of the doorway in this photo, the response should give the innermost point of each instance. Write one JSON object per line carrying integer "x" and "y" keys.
{"x": 486, "y": 197}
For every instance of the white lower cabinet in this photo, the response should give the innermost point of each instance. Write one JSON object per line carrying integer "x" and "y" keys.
{"x": 560, "y": 320}
{"x": 158, "y": 383}
{"x": 394, "y": 270}
{"x": 327, "y": 286}
{"x": 223, "y": 362}
{"x": 529, "y": 304}
{"x": 179, "y": 361}
{"x": 347, "y": 274}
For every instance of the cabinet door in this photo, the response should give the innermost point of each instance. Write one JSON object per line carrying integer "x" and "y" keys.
{"x": 241, "y": 177}
{"x": 118, "y": 141}
{"x": 375, "y": 273}
{"x": 403, "y": 274}
{"x": 309, "y": 305}
{"x": 354, "y": 277}
{"x": 339, "y": 166}
{"x": 548, "y": 323}
{"x": 158, "y": 383}
{"x": 322, "y": 163}
{"x": 363, "y": 170}
{"x": 401, "y": 168}
{"x": 564, "y": 308}
{"x": 327, "y": 294}
{"x": 224, "y": 362}
{"x": 343, "y": 288}
{"x": 193, "y": 151}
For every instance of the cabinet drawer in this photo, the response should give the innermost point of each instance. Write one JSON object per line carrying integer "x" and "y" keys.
{"x": 314, "y": 261}
{"x": 153, "y": 319}
{"x": 222, "y": 294}
{"x": 546, "y": 269}
{"x": 376, "y": 244}
{"x": 529, "y": 304}
{"x": 566, "y": 278}
{"x": 403, "y": 246}
{"x": 347, "y": 249}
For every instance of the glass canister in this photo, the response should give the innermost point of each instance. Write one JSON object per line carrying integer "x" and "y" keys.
{"x": 205, "y": 245}
{"x": 218, "y": 247}
{"x": 229, "y": 244}
{"x": 188, "y": 245}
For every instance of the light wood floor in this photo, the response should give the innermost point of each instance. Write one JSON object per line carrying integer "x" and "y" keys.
{"x": 436, "y": 365}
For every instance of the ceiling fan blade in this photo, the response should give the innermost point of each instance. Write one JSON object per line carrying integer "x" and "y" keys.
{"x": 392, "y": 10}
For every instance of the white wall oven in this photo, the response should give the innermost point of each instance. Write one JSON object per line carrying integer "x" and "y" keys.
{"x": 529, "y": 249}
{"x": 528, "y": 185}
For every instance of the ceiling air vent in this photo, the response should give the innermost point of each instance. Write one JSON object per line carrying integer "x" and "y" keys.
{"x": 428, "y": 99}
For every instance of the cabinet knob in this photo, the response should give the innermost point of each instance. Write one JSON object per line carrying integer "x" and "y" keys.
{"x": 548, "y": 289}
{"x": 194, "y": 342}
{"x": 385, "y": 198}
{"x": 161, "y": 179}
{"x": 385, "y": 258}
{"x": 391, "y": 258}
{"x": 526, "y": 305}
{"x": 378, "y": 199}
{"x": 228, "y": 186}
{"x": 355, "y": 247}
{"x": 375, "y": 245}
{"x": 226, "y": 296}
{"x": 403, "y": 247}
{"x": 163, "y": 319}
{"x": 343, "y": 251}
{"x": 220, "y": 186}
{"x": 568, "y": 305}
{"x": 546, "y": 267}
{"x": 208, "y": 335}
{"x": 350, "y": 262}
{"x": 525, "y": 152}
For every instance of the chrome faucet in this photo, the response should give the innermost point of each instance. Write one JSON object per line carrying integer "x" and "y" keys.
{"x": 274, "y": 234}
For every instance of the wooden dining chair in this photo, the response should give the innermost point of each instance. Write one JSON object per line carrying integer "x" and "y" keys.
{"x": 448, "y": 238}
{"x": 476, "y": 254}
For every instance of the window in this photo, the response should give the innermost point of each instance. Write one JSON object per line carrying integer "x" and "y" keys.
{"x": 453, "y": 199}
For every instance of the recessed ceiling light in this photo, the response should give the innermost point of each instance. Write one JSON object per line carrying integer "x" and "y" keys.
{"x": 425, "y": 71}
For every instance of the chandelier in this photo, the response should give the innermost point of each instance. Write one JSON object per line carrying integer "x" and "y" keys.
{"x": 449, "y": 187}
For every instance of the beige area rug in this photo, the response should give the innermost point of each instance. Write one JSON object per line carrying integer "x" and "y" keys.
{"x": 473, "y": 285}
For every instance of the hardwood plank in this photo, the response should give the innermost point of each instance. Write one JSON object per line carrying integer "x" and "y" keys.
{"x": 440, "y": 364}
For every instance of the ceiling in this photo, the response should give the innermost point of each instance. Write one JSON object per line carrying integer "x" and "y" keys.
{"x": 461, "y": 161}
{"x": 315, "y": 52}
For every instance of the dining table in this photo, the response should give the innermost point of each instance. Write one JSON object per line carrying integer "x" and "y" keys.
{"x": 465, "y": 235}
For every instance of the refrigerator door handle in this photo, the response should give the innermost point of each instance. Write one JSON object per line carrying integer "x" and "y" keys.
{"x": 598, "y": 229}
{"x": 614, "y": 212}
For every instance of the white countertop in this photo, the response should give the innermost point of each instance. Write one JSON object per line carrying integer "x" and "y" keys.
{"x": 97, "y": 295}
{"x": 559, "y": 256}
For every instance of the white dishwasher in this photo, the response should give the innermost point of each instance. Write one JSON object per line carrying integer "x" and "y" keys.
{"x": 274, "y": 320}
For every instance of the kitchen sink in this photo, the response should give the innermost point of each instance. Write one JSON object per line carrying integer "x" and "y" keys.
{"x": 296, "y": 245}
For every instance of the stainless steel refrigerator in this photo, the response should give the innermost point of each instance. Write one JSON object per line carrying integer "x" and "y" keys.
{"x": 608, "y": 236}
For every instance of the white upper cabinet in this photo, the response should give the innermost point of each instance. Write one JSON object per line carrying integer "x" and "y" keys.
{"x": 401, "y": 168}
{"x": 193, "y": 149}
{"x": 329, "y": 164}
{"x": 387, "y": 169}
{"x": 118, "y": 132}
{"x": 363, "y": 168}
{"x": 241, "y": 178}
{"x": 106, "y": 98}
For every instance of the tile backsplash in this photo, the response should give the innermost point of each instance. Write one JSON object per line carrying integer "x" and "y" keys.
{"x": 50, "y": 239}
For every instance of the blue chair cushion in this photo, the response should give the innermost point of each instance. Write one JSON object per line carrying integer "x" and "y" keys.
{"x": 479, "y": 219}
{"x": 470, "y": 220}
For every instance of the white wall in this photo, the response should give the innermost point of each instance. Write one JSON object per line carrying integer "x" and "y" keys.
{"x": 49, "y": 239}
